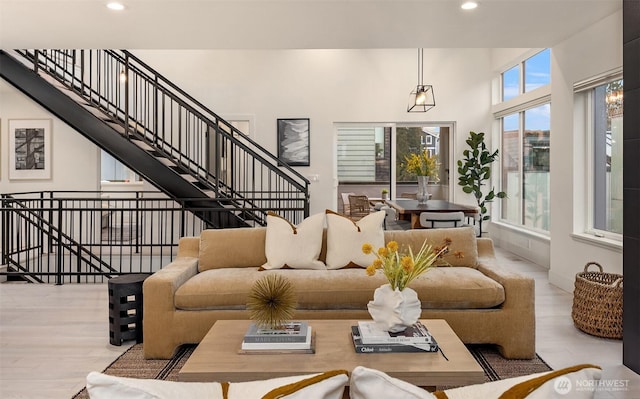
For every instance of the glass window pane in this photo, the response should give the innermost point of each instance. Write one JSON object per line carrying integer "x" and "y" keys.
{"x": 112, "y": 170}
{"x": 537, "y": 71}
{"x": 608, "y": 111}
{"x": 511, "y": 83}
{"x": 535, "y": 156}
{"x": 357, "y": 155}
{"x": 364, "y": 155}
{"x": 510, "y": 156}
{"x": 413, "y": 140}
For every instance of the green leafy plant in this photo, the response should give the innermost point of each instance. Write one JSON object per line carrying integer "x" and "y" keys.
{"x": 475, "y": 170}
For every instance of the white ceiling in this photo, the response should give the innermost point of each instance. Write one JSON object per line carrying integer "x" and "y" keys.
{"x": 268, "y": 24}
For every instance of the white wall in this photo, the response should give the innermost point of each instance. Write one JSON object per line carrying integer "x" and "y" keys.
{"x": 589, "y": 53}
{"x": 75, "y": 160}
{"x": 330, "y": 86}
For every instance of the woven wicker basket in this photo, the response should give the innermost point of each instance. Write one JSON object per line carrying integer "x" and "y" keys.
{"x": 597, "y": 303}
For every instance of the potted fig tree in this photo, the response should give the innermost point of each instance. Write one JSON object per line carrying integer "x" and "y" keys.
{"x": 475, "y": 170}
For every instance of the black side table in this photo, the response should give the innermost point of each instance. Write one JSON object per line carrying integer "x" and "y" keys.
{"x": 125, "y": 308}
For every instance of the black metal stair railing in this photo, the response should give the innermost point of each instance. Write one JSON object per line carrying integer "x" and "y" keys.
{"x": 35, "y": 227}
{"x": 87, "y": 237}
{"x": 148, "y": 109}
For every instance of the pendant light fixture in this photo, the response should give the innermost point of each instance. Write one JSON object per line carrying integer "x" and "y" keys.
{"x": 421, "y": 99}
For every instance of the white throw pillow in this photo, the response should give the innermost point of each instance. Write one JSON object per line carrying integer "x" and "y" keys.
{"x": 372, "y": 384}
{"x": 368, "y": 383}
{"x": 102, "y": 386}
{"x": 329, "y": 385}
{"x": 297, "y": 247}
{"x": 346, "y": 237}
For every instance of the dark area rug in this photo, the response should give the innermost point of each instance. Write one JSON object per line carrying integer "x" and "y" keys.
{"x": 132, "y": 364}
{"x": 497, "y": 367}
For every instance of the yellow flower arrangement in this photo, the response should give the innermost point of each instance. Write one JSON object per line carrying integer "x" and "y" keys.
{"x": 402, "y": 268}
{"x": 422, "y": 164}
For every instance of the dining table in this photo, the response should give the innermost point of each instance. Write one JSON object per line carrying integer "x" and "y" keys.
{"x": 410, "y": 209}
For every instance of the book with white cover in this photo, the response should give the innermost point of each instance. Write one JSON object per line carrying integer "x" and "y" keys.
{"x": 279, "y": 345}
{"x": 371, "y": 333}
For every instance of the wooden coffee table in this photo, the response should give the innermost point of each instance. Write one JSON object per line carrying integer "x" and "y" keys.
{"x": 217, "y": 358}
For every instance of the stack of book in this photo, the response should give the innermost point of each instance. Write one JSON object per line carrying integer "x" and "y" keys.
{"x": 291, "y": 337}
{"x": 369, "y": 338}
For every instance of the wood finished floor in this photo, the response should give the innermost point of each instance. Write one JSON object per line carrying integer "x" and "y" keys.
{"x": 52, "y": 336}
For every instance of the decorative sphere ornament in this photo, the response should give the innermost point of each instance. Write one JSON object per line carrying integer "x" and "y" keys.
{"x": 272, "y": 301}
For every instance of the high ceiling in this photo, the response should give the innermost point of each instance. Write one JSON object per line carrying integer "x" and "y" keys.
{"x": 268, "y": 24}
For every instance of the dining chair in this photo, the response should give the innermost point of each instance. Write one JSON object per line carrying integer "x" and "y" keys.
{"x": 359, "y": 206}
{"x": 438, "y": 220}
{"x": 346, "y": 207}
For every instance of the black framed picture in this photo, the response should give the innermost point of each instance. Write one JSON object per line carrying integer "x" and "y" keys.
{"x": 29, "y": 149}
{"x": 293, "y": 141}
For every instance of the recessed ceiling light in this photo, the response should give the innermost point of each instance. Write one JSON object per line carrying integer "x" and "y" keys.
{"x": 115, "y": 6}
{"x": 469, "y": 5}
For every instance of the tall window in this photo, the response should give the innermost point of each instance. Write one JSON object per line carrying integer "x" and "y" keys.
{"x": 535, "y": 165}
{"x": 525, "y": 167}
{"x": 510, "y": 155}
{"x": 607, "y": 108}
{"x": 525, "y": 129}
{"x": 599, "y": 111}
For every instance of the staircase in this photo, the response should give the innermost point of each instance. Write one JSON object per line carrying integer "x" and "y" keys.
{"x": 160, "y": 132}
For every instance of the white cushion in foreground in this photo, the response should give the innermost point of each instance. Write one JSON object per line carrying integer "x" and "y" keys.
{"x": 329, "y": 385}
{"x": 567, "y": 383}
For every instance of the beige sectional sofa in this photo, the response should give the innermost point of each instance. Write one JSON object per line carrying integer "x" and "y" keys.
{"x": 212, "y": 274}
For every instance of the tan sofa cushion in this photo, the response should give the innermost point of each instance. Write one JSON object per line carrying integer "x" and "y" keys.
{"x": 440, "y": 288}
{"x": 463, "y": 241}
{"x": 240, "y": 247}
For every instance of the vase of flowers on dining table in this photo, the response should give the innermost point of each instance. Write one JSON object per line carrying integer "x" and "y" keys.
{"x": 425, "y": 167}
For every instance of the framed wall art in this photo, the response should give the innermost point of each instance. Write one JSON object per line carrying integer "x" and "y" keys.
{"x": 293, "y": 141}
{"x": 29, "y": 148}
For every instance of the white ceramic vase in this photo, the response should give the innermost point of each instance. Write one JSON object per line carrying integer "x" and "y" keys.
{"x": 423, "y": 194}
{"x": 394, "y": 310}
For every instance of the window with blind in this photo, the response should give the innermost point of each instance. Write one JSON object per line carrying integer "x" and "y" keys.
{"x": 363, "y": 154}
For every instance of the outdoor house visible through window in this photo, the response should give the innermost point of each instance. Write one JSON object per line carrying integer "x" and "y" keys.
{"x": 525, "y": 129}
